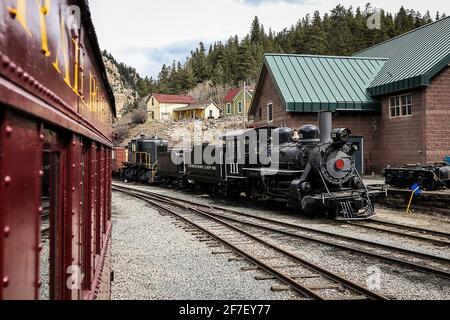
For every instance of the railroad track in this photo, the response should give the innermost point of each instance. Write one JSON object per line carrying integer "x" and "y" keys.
{"x": 307, "y": 279}
{"x": 411, "y": 259}
{"x": 435, "y": 237}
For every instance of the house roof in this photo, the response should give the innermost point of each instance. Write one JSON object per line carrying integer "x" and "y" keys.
{"x": 201, "y": 105}
{"x": 314, "y": 83}
{"x": 414, "y": 58}
{"x": 231, "y": 95}
{"x": 175, "y": 99}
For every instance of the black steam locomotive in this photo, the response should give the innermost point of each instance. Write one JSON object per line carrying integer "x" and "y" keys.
{"x": 310, "y": 170}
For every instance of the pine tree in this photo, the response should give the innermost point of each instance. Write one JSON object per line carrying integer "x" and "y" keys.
{"x": 218, "y": 76}
{"x": 245, "y": 63}
{"x": 200, "y": 64}
{"x": 255, "y": 32}
{"x": 163, "y": 80}
{"x": 316, "y": 37}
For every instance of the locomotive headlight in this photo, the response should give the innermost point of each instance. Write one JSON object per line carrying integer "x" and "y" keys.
{"x": 340, "y": 135}
{"x": 339, "y": 164}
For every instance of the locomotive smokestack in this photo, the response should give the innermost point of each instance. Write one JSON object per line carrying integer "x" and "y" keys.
{"x": 326, "y": 126}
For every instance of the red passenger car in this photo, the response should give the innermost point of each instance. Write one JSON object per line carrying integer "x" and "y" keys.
{"x": 119, "y": 157}
{"x": 56, "y": 112}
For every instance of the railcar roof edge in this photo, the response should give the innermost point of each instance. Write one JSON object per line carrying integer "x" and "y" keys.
{"x": 88, "y": 24}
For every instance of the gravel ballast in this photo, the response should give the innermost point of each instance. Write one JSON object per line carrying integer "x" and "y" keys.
{"x": 396, "y": 281}
{"x": 155, "y": 259}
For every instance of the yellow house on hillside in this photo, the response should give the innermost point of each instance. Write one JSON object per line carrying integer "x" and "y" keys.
{"x": 162, "y": 106}
{"x": 202, "y": 110}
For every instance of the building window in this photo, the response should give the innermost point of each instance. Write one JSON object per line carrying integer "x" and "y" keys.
{"x": 400, "y": 106}
{"x": 270, "y": 112}
{"x": 240, "y": 109}
{"x": 153, "y": 102}
{"x": 228, "y": 108}
{"x": 211, "y": 114}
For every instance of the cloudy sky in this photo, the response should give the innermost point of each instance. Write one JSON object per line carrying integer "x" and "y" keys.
{"x": 147, "y": 33}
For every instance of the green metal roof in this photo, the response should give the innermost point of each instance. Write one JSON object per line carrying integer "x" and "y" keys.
{"x": 414, "y": 58}
{"x": 316, "y": 83}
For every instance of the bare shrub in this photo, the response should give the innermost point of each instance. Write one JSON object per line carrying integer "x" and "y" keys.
{"x": 139, "y": 116}
{"x": 120, "y": 133}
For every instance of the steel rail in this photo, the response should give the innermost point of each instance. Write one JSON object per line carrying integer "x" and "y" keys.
{"x": 279, "y": 275}
{"x": 411, "y": 265}
{"x": 403, "y": 234}
{"x": 411, "y": 228}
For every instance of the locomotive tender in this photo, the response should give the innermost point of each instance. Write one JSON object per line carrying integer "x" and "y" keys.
{"x": 310, "y": 170}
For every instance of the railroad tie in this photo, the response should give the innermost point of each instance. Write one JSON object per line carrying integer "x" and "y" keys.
{"x": 250, "y": 268}
{"x": 346, "y": 298}
{"x": 280, "y": 288}
{"x": 327, "y": 287}
{"x": 236, "y": 259}
{"x": 221, "y": 252}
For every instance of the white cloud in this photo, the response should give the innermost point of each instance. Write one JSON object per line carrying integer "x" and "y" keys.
{"x": 145, "y": 34}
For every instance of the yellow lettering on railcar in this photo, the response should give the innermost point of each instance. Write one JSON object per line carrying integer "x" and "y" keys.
{"x": 82, "y": 78}
{"x": 96, "y": 102}
{"x": 77, "y": 67}
{"x": 63, "y": 47}
{"x": 20, "y": 14}
{"x": 92, "y": 93}
{"x": 44, "y": 9}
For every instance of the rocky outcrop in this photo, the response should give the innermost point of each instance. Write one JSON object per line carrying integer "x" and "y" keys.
{"x": 125, "y": 96}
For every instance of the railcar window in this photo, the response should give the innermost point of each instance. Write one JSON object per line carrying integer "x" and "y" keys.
{"x": 50, "y": 219}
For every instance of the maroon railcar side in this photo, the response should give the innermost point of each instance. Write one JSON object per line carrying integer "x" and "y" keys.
{"x": 56, "y": 113}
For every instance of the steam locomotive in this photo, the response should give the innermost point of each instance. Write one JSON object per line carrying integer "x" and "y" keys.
{"x": 310, "y": 170}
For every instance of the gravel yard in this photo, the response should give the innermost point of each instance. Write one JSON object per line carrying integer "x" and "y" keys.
{"x": 153, "y": 259}
{"x": 394, "y": 281}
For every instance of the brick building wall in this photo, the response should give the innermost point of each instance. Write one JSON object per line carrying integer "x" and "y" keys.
{"x": 403, "y": 138}
{"x": 437, "y": 128}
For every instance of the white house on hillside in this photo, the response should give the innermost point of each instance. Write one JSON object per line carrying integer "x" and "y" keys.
{"x": 161, "y": 106}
